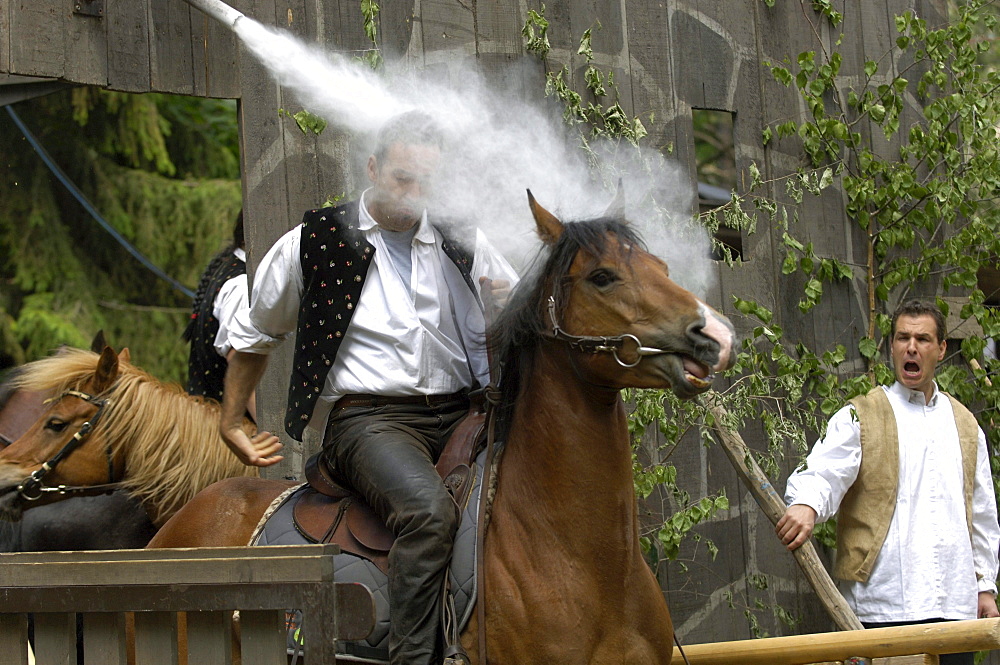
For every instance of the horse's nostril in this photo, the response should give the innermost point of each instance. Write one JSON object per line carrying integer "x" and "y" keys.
{"x": 700, "y": 339}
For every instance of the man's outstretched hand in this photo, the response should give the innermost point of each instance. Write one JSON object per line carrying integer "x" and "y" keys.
{"x": 261, "y": 450}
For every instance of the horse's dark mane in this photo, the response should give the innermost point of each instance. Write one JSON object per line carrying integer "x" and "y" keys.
{"x": 517, "y": 329}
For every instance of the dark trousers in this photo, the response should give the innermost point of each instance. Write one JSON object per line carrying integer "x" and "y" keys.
{"x": 387, "y": 454}
{"x": 967, "y": 658}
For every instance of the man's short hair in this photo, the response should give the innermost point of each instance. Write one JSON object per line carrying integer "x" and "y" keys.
{"x": 410, "y": 128}
{"x": 920, "y": 308}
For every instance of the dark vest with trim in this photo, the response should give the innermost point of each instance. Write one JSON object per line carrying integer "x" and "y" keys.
{"x": 335, "y": 260}
{"x": 206, "y": 368}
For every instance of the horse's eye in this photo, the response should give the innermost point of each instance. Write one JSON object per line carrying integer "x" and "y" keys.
{"x": 56, "y": 425}
{"x": 602, "y": 278}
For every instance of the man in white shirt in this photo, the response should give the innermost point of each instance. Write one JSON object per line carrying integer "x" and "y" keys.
{"x": 917, "y": 517}
{"x": 389, "y": 339}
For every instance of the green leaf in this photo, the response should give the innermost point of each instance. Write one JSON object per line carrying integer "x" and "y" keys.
{"x": 868, "y": 347}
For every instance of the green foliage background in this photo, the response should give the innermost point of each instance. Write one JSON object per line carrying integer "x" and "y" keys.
{"x": 163, "y": 170}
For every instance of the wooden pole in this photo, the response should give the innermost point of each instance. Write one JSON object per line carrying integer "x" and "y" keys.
{"x": 933, "y": 638}
{"x": 774, "y": 507}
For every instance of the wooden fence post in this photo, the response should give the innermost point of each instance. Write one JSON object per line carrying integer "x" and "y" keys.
{"x": 774, "y": 507}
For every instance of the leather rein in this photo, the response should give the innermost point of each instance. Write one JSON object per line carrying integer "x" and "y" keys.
{"x": 33, "y": 488}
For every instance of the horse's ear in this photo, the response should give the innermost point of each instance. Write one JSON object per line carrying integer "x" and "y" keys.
{"x": 107, "y": 370}
{"x": 548, "y": 226}
{"x": 616, "y": 209}
{"x": 99, "y": 342}
{"x": 125, "y": 356}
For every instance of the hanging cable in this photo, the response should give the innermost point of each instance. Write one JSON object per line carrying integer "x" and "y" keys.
{"x": 78, "y": 195}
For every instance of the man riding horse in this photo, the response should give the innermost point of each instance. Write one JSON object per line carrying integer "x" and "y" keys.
{"x": 389, "y": 341}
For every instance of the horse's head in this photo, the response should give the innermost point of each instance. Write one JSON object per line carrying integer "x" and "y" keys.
{"x": 614, "y": 303}
{"x": 59, "y": 449}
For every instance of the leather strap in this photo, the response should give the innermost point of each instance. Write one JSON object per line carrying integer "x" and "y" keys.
{"x": 356, "y": 399}
{"x": 492, "y": 402}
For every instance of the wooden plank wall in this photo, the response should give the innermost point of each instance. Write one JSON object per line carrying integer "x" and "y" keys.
{"x": 668, "y": 56}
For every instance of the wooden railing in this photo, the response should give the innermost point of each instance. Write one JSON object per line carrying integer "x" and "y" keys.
{"x": 923, "y": 641}
{"x": 206, "y": 583}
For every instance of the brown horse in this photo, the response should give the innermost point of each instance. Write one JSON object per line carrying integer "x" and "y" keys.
{"x": 111, "y": 424}
{"x": 565, "y": 580}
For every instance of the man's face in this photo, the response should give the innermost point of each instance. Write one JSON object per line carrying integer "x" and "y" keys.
{"x": 401, "y": 184}
{"x": 916, "y": 351}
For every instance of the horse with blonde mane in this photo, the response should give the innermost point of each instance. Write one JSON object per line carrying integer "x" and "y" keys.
{"x": 563, "y": 576}
{"x": 110, "y": 425}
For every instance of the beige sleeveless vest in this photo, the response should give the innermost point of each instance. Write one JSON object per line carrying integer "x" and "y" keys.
{"x": 867, "y": 508}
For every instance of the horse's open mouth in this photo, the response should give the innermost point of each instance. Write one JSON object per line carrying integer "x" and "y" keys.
{"x": 698, "y": 376}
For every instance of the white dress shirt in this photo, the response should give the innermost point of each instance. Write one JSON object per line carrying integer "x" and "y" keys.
{"x": 926, "y": 567}
{"x": 400, "y": 341}
{"x": 231, "y": 297}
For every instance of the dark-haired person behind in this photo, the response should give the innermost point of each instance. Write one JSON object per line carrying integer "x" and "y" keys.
{"x": 382, "y": 298}
{"x": 222, "y": 291}
{"x": 905, "y": 469}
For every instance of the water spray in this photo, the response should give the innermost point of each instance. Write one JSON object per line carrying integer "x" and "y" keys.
{"x": 502, "y": 144}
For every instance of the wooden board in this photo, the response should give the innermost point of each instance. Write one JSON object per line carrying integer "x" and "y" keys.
{"x": 177, "y": 571}
{"x": 209, "y": 637}
{"x": 104, "y": 638}
{"x": 186, "y": 553}
{"x": 263, "y": 637}
{"x": 55, "y": 637}
{"x": 651, "y": 73}
{"x": 170, "y": 47}
{"x": 13, "y": 639}
{"x": 36, "y": 48}
{"x": 156, "y": 638}
{"x": 5, "y": 37}
{"x": 128, "y": 46}
{"x": 86, "y": 45}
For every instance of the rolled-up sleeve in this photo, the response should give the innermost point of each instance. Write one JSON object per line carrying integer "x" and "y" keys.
{"x": 985, "y": 530}
{"x": 830, "y": 468}
{"x": 232, "y": 297}
{"x": 273, "y": 311}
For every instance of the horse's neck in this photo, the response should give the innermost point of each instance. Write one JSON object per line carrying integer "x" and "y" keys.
{"x": 567, "y": 461}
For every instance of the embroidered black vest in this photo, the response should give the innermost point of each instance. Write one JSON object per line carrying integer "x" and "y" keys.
{"x": 335, "y": 259}
{"x": 206, "y": 368}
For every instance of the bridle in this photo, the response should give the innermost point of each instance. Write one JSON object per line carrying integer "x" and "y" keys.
{"x": 32, "y": 488}
{"x": 600, "y": 344}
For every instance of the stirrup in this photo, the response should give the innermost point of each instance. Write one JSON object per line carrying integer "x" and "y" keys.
{"x": 456, "y": 655}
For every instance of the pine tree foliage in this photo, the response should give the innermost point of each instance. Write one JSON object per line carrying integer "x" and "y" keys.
{"x": 162, "y": 170}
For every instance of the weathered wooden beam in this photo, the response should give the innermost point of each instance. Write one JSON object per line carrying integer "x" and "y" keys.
{"x": 774, "y": 507}
{"x": 928, "y": 638}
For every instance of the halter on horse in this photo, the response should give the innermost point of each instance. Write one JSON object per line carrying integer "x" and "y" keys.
{"x": 564, "y": 576}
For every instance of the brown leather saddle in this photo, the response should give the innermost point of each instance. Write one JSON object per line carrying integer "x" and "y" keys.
{"x": 327, "y": 511}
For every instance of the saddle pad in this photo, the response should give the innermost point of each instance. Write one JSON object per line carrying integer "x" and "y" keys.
{"x": 280, "y": 530}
